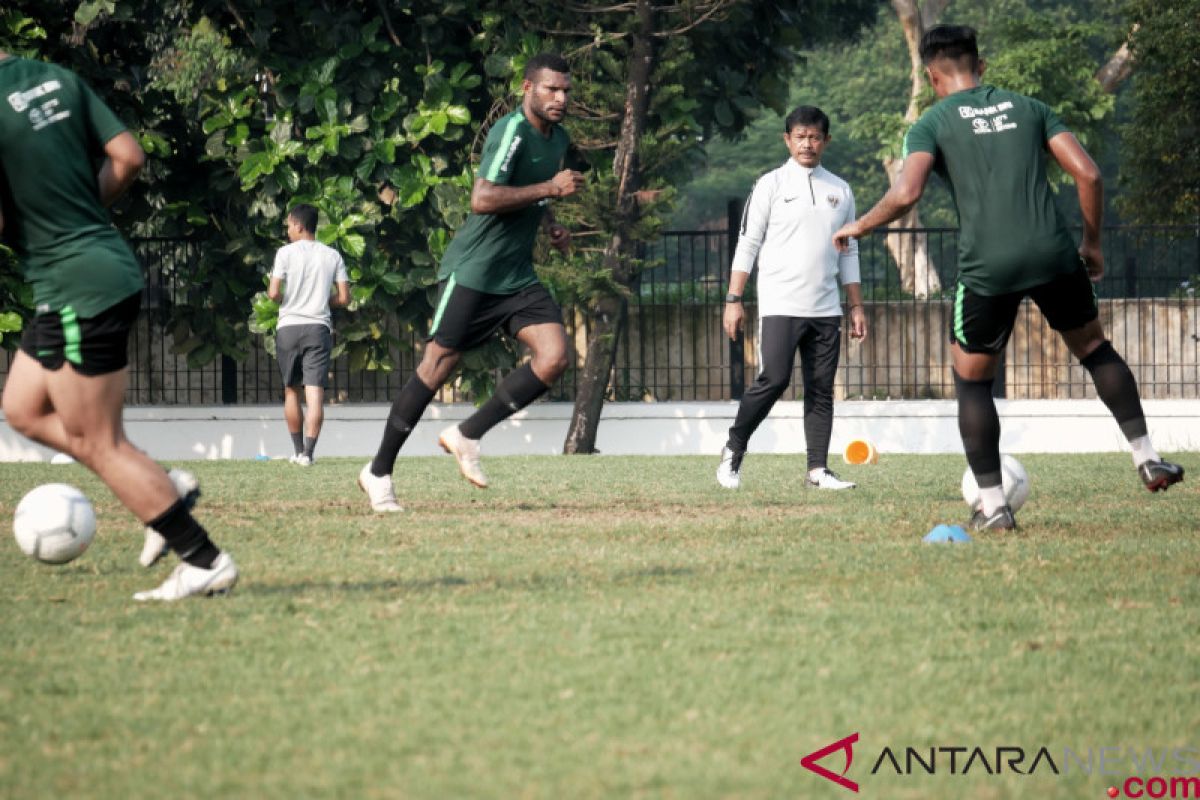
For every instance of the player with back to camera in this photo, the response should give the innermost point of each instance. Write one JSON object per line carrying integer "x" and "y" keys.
{"x": 990, "y": 146}
{"x": 487, "y": 280}
{"x": 786, "y": 226}
{"x": 304, "y": 274}
{"x": 66, "y": 385}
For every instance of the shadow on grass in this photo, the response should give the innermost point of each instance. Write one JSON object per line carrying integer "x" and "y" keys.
{"x": 486, "y": 583}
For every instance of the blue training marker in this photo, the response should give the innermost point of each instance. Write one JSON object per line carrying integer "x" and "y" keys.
{"x": 946, "y": 533}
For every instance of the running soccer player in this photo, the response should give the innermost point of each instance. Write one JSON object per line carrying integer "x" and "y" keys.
{"x": 66, "y": 386}
{"x": 990, "y": 146}
{"x": 487, "y": 281}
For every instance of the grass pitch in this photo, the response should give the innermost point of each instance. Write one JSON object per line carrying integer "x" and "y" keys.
{"x": 603, "y": 627}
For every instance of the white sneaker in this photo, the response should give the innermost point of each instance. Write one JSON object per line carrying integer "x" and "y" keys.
{"x": 466, "y": 452}
{"x": 155, "y": 546}
{"x": 379, "y": 490}
{"x": 828, "y": 480}
{"x": 189, "y": 581}
{"x": 729, "y": 471}
{"x": 302, "y": 460}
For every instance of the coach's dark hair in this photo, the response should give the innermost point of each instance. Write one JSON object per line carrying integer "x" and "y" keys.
{"x": 306, "y": 215}
{"x": 551, "y": 61}
{"x": 955, "y": 42}
{"x": 809, "y": 116}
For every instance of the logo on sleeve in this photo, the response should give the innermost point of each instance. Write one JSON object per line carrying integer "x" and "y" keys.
{"x": 512, "y": 151}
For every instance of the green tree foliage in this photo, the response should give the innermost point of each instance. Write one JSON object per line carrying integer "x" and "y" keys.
{"x": 1161, "y": 142}
{"x": 1050, "y": 51}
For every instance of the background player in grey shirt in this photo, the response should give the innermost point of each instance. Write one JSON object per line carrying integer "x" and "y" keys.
{"x": 305, "y": 271}
{"x": 791, "y": 214}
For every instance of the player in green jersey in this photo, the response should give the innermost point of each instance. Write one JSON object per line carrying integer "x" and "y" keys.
{"x": 990, "y": 146}
{"x": 66, "y": 386}
{"x": 487, "y": 280}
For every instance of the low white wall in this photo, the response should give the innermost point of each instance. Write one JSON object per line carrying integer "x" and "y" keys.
{"x": 894, "y": 426}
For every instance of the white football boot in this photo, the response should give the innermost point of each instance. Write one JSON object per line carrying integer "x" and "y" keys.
{"x": 379, "y": 490}
{"x": 729, "y": 471}
{"x": 155, "y": 546}
{"x": 826, "y": 479}
{"x": 189, "y": 581}
{"x": 466, "y": 453}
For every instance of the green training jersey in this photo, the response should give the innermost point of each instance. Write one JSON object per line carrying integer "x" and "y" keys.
{"x": 53, "y": 129}
{"x": 990, "y": 147}
{"x": 494, "y": 252}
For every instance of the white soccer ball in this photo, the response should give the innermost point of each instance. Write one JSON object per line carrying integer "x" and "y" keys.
{"x": 1013, "y": 477}
{"x": 54, "y": 523}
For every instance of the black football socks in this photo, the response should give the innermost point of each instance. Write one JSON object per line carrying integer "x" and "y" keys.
{"x": 518, "y": 389}
{"x": 1116, "y": 386}
{"x": 979, "y": 427}
{"x": 406, "y": 412}
{"x": 186, "y": 536}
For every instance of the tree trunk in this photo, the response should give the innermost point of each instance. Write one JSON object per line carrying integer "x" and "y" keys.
{"x": 918, "y": 274}
{"x": 607, "y": 314}
{"x": 1117, "y": 68}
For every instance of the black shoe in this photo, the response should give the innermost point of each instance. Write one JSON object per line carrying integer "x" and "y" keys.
{"x": 1158, "y": 475}
{"x": 1002, "y": 520}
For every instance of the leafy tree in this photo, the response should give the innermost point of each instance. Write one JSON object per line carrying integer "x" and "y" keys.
{"x": 651, "y": 79}
{"x": 1162, "y": 142}
{"x": 1049, "y": 50}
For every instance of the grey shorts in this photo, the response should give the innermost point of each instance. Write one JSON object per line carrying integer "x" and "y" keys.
{"x": 303, "y": 353}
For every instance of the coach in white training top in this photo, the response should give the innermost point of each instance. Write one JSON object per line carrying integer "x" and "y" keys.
{"x": 789, "y": 219}
{"x": 305, "y": 271}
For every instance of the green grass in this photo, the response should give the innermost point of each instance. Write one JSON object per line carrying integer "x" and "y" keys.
{"x": 602, "y": 627}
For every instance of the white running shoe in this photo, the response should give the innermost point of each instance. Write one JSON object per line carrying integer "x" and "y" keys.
{"x": 826, "y": 479}
{"x": 379, "y": 490}
{"x": 155, "y": 546}
{"x": 729, "y": 471}
{"x": 189, "y": 581}
{"x": 302, "y": 460}
{"x": 466, "y": 452}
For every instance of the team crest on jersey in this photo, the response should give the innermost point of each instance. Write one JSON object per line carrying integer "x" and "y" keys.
{"x": 833, "y": 200}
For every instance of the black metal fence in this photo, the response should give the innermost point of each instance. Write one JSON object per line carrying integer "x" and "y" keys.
{"x": 674, "y": 348}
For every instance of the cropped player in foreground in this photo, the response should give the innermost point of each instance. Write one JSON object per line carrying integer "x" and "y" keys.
{"x": 990, "y": 146}
{"x": 66, "y": 386}
{"x": 487, "y": 281}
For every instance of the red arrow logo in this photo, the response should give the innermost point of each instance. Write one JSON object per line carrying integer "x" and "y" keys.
{"x": 847, "y": 744}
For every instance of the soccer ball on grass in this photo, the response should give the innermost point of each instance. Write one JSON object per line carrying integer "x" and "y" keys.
{"x": 54, "y": 523}
{"x": 1012, "y": 476}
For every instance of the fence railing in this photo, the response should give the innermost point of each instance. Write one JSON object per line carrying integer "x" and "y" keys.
{"x": 674, "y": 347}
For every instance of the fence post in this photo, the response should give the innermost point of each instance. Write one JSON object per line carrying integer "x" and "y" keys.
{"x": 737, "y": 347}
{"x": 228, "y": 380}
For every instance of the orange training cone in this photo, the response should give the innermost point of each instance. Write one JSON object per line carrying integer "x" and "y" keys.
{"x": 860, "y": 451}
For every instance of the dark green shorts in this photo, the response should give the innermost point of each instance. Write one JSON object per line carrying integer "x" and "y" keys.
{"x": 94, "y": 346}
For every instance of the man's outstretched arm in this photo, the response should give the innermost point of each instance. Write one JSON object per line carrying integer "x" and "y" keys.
{"x": 899, "y": 200}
